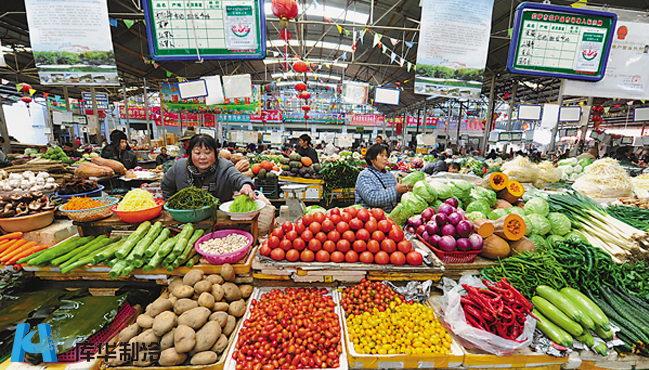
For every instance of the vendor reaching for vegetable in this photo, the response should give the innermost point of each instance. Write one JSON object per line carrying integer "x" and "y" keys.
{"x": 376, "y": 187}
{"x": 206, "y": 170}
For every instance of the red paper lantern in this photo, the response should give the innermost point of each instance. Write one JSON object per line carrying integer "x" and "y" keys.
{"x": 306, "y": 108}
{"x": 300, "y": 67}
{"x": 300, "y": 86}
{"x": 24, "y": 88}
{"x": 304, "y": 95}
{"x": 26, "y": 99}
{"x": 285, "y": 10}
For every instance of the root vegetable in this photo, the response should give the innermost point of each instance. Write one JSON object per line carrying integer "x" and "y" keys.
{"x": 220, "y": 317}
{"x": 184, "y": 339}
{"x": 183, "y": 291}
{"x": 164, "y": 322}
{"x": 207, "y": 336}
{"x": 193, "y": 277}
{"x": 227, "y": 272}
{"x": 195, "y": 318}
{"x": 220, "y": 344}
{"x": 229, "y": 326}
{"x": 183, "y": 305}
{"x": 158, "y": 306}
{"x": 206, "y": 300}
{"x": 170, "y": 357}
{"x": 204, "y": 358}
{"x": 231, "y": 292}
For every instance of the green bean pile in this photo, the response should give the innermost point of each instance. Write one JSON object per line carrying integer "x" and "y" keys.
{"x": 528, "y": 270}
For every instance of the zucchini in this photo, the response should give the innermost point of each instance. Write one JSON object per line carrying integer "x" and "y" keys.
{"x": 556, "y": 316}
{"x": 553, "y": 332}
{"x": 587, "y": 306}
{"x": 601, "y": 349}
{"x": 604, "y": 334}
{"x": 132, "y": 240}
{"x": 560, "y": 302}
{"x": 586, "y": 338}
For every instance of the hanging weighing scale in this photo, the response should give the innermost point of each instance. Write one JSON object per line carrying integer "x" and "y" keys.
{"x": 294, "y": 201}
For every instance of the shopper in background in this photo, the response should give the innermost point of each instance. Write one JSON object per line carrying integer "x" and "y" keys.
{"x": 205, "y": 169}
{"x": 592, "y": 152}
{"x": 305, "y": 149}
{"x": 77, "y": 142}
{"x": 119, "y": 150}
{"x": 4, "y": 162}
{"x": 69, "y": 150}
{"x": 162, "y": 157}
{"x": 376, "y": 187}
{"x": 440, "y": 164}
{"x": 454, "y": 168}
{"x": 184, "y": 141}
{"x": 623, "y": 154}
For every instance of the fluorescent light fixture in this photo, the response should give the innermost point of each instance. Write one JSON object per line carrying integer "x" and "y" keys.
{"x": 318, "y": 61}
{"x": 309, "y": 74}
{"x": 309, "y": 43}
{"x": 313, "y": 83}
{"x": 334, "y": 12}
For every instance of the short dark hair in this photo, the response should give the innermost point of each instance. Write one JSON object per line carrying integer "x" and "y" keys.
{"x": 116, "y": 136}
{"x": 201, "y": 140}
{"x": 306, "y": 138}
{"x": 68, "y": 144}
{"x": 379, "y": 137}
{"x": 163, "y": 148}
{"x": 374, "y": 152}
{"x": 455, "y": 166}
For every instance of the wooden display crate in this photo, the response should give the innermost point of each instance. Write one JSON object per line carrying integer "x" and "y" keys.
{"x": 522, "y": 358}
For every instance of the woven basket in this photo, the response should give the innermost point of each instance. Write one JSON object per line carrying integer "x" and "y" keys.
{"x": 92, "y": 214}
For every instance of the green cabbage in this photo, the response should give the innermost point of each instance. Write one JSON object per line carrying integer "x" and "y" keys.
{"x": 575, "y": 236}
{"x": 472, "y": 216}
{"x": 413, "y": 201}
{"x": 479, "y": 205}
{"x": 413, "y": 178}
{"x": 436, "y": 203}
{"x": 461, "y": 189}
{"x": 400, "y": 214}
{"x": 528, "y": 229}
{"x": 516, "y": 211}
{"x": 540, "y": 225}
{"x": 310, "y": 210}
{"x": 538, "y": 241}
{"x": 554, "y": 240}
{"x": 560, "y": 224}
{"x": 585, "y": 162}
{"x": 537, "y": 206}
{"x": 425, "y": 191}
{"x": 443, "y": 191}
{"x": 479, "y": 192}
{"x": 496, "y": 214}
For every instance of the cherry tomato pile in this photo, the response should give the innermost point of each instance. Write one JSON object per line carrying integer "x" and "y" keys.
{"x": 290, "y": 329}
{"x": 367, "y": 296}
{"x": 350, "y": 235}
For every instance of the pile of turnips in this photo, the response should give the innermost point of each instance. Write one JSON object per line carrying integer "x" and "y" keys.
{"x": 446, "y": 229}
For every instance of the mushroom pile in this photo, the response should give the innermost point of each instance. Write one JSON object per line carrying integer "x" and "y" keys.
{"x": 17, "y": 205}
{"x": 27, "y": 181}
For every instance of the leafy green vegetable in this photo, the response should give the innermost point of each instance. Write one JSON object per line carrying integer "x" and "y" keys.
{"x": 191, "y": 198}
{"x": 461, "y": 189}
{"x": 413, "y": 201}
{"x": 479, "y": 205}
{"x": 479, "y": 192}
{"x": 496, "y": 214}
{"x": 553, "y": 240}
{"x": 560, "y": 224}
{"x": 310, "y": 210}
{"x": 243, "y": 204}
{"x": 413, "y": 178}
{"x": 436, "y": 203}
{"x": 425, "y": 191}
{"x": 472, "y": 216}
{"x": 585, "y": 162}
{"x": 443, "y": 191}
{"x": 538, "y": 241}
{"x": 575, "y": 236}
{"x": 528, "y": 230}
{"x": 537, "y": 206}
{"x": 516, "y": 211}
{"x": 400, "y": 214}
{"x": 540, "y": 225}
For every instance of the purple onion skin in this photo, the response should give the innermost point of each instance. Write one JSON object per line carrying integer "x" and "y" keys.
{"x": 452, "y": 202}
{"x": 447, "y": 243}
{"x": 441, "y": 219}
{"x": 432, "y": 228}
{"x": 461, "y": 212}
{"x": 476, "y": 242}
{"x": 445, "y": 208}
{"x": 421, "y": 229}
{"x": 411, "y": 229}
{"x": 448, "y": 230}
{"x": 463, "y": 244}
{"x": 415, "y": 221}
{"x": 428, "y": 214}
{"x": 454, "y": 218}
{"x": 426, "y": 237}
{"x": 434, "y": 240}
{"x": 464, "y": 228}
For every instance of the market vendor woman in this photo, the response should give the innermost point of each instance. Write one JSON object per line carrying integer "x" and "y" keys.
{"x": 376, "y": 187}
{"x": 206, "y": 170}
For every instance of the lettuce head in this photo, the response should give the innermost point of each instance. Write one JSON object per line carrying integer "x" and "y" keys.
{"x": 472, "y": 216}
{"x": 516, "y": 211}
{"x": 538, "y": 241}
{"x": 479, "y": 192}
{"x": 443, "y": 191}
{"x": 559, "y": 223}
{"x": 479, "y": 205}
{"x": 413, "y": 178}
{"x": 537, "y": 206}
{"x": 496, "y": 214}
{"x": 413, "y": 201}
{"x": 540, "y": 225}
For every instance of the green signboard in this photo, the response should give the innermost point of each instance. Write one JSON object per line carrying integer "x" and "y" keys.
{"x": 205, "y": 29}
{"x": 561, "y": 42}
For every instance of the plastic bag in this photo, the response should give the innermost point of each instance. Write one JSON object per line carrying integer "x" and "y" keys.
{"x": 454, "y": 320}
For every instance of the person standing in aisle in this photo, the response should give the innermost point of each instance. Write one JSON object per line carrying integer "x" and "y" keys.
{"x": 305, "y": 149}
{"x": 376, "y": 187}
{"x": 119, "y": 150}
{"x": 184, "y": 141}
{"x": 162, "y": 157}
{"x": 77, "y": 142}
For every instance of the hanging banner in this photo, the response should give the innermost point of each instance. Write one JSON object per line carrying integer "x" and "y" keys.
{"x": 292, "y": 117}
{"x": 453, "y": 45}
{"x": 267, "y": 116}
{"x": 172, "y": 100}
{"x": 101, "y": 98}
{"x": 71, "y": 42}
{"x": 371, "y": 120}
{"x": 627, "y": 71}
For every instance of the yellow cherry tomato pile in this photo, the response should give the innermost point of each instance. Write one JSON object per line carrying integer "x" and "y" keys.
{"x": 411, "y": 329}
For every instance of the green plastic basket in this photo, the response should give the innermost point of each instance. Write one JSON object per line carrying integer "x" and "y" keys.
{"x": 189, "y": 215}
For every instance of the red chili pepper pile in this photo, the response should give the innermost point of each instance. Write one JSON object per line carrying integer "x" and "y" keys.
{"x": 500, "y": 310}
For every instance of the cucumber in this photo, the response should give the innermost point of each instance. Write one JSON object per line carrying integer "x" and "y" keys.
{"x": 132, "y": 240}
{"x": 620, "y": 321}
{"x": 625, "y": 311}
{"x": 586, "y": 338}
{"x": 553, "y": 332}
{"x": 144, "y": 243}
{"x": 560, "y": 302}
{"x": 556, "y": 316}
{"x": 587, "y": 306}
{"x": 604, "y": 334}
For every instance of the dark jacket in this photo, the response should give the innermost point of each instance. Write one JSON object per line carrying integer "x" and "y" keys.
{"x": 162, "y": 158}
{"x": 436, "y": 167}
{"x": 127, "y": 157}
{"x": 308, "y": 152}
{"x": 228, "y": 179}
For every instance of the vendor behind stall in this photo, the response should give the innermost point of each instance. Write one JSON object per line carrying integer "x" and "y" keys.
{"x": 69, "y": 150}
{"x": 376, "y": 187}
{"x": 162, "y": 157}
{"x": 305, "y": 149}
{"x": 119, "y": 150}
{"x": 206, "y": 170}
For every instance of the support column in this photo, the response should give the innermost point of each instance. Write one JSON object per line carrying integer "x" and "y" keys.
{"x": 100, "y": 138}
{"x": 6, "y": 147}
{"x": 459, "y": 125}
{"x": 490, "y": 114}
{"x": 128, "y": 123}
{"x": 582, "y": 139}
{"x": 512, "y": 101}
{"x": 146, "y": 114}
{"x": 553, "y": 139}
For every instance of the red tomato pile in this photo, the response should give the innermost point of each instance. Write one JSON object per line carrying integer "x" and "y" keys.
{"x": 351, "y": 235}
{"x": 366, "y": 296}
{"x": 291, "y": 329}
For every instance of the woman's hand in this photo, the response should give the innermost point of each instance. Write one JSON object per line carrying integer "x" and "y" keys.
{"x": 402, "y": 188}
{"x": 246, "y": 189}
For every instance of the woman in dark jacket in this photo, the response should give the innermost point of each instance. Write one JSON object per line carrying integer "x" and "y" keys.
{"x": 119, "y": 150}
{"x": 206, "y": 170}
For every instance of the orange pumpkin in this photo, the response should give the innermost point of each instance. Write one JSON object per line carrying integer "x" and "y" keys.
{"x": 510, "y": 227}
{"x": 306, "y": 161}
{"x": 267, "y": 165}
{"x": 512, "y": 192}
{"x": 495, "y": 247}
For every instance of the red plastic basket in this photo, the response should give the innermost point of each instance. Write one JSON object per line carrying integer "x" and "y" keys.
{"x": 453, "y": 256}
{"x": 104, "y": 335}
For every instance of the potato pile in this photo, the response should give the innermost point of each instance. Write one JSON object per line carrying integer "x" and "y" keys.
{"x": 193, "y": 322}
